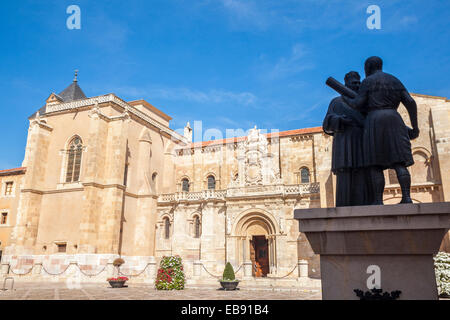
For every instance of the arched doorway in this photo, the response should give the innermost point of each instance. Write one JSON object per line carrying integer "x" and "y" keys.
{"x": 256, "y": 232}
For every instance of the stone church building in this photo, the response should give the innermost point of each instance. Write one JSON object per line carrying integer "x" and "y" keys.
{"x": 103, "y": 178}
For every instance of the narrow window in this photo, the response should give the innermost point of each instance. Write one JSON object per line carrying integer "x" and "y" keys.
{"x": 4, "y": 218}
{"x": 8, "y": 188}
{"x": 211, "y": 182}
{"x": 74, "y": 160}
{"x": 125, "y": 175}
{"x": 166, "y": 228}
{"x": 62, "y": 247}
{"x": 185, "y": 185}
{"x": 196, "y": 227}
{"x": 304, "y": 173}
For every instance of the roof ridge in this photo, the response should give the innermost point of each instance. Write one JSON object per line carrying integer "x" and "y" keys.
{"x": 284, "y": 133}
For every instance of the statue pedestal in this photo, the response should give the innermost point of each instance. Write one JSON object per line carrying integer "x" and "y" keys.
{"x": 400, "y": 240}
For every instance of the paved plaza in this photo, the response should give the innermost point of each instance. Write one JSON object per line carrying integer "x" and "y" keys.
{"x": 60, "y": 291}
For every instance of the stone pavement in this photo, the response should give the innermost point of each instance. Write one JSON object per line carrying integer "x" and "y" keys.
{"x": 60, "y": 291}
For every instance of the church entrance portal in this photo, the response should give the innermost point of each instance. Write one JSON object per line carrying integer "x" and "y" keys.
{"x": 255, "y": 235}
{"x": 259, "y": 256}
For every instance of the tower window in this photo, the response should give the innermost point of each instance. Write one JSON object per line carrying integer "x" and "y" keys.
{"x": 4, "y": 218}
{"x": 185, "y": 185}
{"x": 197, "y": 227}
{"x": 166, "y": 228}
{"x": 74, "y": 160}
{"x": 304, "y": 175}
{"x": 211, "y": 182}
{"x": 62, "y": 247}
{"x": 8, "y": 188}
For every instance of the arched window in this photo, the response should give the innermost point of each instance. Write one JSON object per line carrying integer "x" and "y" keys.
{"x": 185, "y": 185}
{"x": 211, "y": 182}
{"x": 422, "y": 170}
{"x": 166, "y": 228}
{"x": 304, "y": 175}
{"x": 197, "y": 227}
{"x": 74, "y": 154}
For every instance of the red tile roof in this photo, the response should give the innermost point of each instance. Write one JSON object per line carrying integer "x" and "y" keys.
{"x": 268, "y": 135}
{"x": 14, "y": 171}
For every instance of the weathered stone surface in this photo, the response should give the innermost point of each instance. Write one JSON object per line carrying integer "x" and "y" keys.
{"x": 399, "y": 239}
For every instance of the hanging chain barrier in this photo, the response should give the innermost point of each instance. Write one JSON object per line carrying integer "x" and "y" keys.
{"x": 91, "y": 275}
{"x": 285, "y": 275}
{"x": 130, "y": 275}
{"x": 21, "y": 274}
{"x": 58, "y": 273}
{"x": 219, "y": 277}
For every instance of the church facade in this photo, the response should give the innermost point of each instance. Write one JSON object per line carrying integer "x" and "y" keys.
{"x": 103, "y": 178}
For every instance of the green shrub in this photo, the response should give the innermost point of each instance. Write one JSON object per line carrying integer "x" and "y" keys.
{"x": 228, "y": 273}
{"x": 170, "y": 274}
{"x": 442, "y": 270}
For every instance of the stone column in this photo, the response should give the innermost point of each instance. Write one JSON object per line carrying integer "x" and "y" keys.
{"x": 147, "y": 201}
{"x": 37, "y": 268}
{"x": 441, "y": 131}
{"x": 302, "y": 268}
{"x": 24, "y": 235}
{"x": 94, "y": 164}
{"x": 151, "y": 269}
{"x": 208, "y": 238}
{"x": 5, "y": 268}
{"x": 110, "y": 215}
{"x": 248, "y": 270}
{"x": 197, "y": 268}
{"x": 110, "y": 268}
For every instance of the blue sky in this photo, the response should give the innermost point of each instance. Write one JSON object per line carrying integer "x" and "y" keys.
{"x": 229, "y": 63}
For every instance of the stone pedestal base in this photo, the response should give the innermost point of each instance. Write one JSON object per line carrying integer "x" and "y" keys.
{"x": 390, "y": 246}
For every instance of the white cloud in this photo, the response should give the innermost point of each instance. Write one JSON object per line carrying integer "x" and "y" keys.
{"x": 246, "y": 12}
{"x": 293, "y": 64}
{"x": 214, "y": 96}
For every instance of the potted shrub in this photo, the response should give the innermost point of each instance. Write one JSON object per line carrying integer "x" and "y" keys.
{"x": 118, "y": 262}
{"x": 170, "y": 274}
{"x": 117, "y": 282}
{"x": 228, "y": 281}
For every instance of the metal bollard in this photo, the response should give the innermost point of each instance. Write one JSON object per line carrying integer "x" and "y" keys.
{"x": 4, "y": 283}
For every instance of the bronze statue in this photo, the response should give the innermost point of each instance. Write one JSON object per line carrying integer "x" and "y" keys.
{"x": 386, "y": 139}
{"x": 346, "y": 125}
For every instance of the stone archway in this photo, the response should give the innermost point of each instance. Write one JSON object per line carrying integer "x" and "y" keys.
{"x": 255, "y": 232}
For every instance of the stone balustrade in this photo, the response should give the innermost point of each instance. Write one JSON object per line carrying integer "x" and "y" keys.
{"x": 282, "y": 190}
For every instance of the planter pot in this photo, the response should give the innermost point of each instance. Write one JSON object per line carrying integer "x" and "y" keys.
{"x": 117, "y": 283}
{"x": 229, "y": 285}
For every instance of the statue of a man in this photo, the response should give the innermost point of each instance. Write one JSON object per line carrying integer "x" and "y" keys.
{"x": 346, "y": 125}
{"x": 386, "y": 141}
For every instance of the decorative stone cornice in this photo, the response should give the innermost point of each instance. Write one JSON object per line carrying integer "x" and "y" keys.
{"x": 111, "y": 98}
